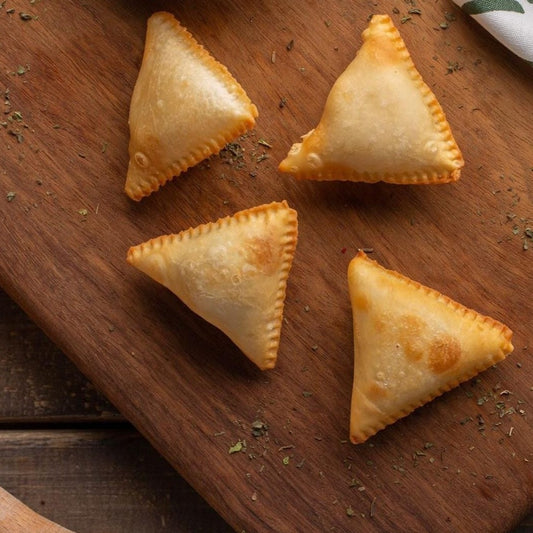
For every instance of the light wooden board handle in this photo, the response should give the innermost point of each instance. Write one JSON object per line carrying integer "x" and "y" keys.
{"x": 15, "y": 517}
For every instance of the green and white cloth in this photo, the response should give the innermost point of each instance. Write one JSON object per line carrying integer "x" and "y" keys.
{"x": 510, "y": 21}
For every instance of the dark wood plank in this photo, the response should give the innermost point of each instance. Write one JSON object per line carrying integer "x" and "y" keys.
{"x": 100, "y": 480}
{"x": 37, "y": 382}
{"x": 183, "y": 385}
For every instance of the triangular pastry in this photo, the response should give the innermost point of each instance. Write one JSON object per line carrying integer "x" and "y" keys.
{"x": 233, "y": 273}
{"x": 411, "y": 344}
{"x": 185, "y": 107}
{"x": 381, "y": 122}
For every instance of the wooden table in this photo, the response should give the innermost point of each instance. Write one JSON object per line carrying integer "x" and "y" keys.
{"x": 65, "y": 226}
{"x": 68, "y": 454}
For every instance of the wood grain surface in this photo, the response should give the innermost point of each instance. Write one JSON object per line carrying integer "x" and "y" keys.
{"x": 100, "y": 480}
{"x": 461, "y": 463}
{"x": 66, "y": 456}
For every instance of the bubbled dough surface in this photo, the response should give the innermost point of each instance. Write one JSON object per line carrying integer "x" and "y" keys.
{"x": 412, "y": 342}
{"x": 228, "y": 273}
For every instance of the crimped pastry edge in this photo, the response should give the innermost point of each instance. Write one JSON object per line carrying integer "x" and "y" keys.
{"x": 213, "y": 146}
{"x": 506, "y": 348}
{"x": 289, "y": 242}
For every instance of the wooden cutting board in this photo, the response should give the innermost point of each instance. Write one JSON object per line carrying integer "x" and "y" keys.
{"x": 463, "y": 462}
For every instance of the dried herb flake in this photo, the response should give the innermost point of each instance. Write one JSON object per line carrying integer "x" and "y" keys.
{"x": 262, "y": 142}
{"x": 237, "y": 447}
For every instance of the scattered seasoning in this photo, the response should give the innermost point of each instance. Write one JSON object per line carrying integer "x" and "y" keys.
{"x": 528, "y": 236}
{"x": 405, "y": 18}
{"x": 10, "y": 196}
{"x": 450, "y": 17}
{"x": 261, "y": 158}
{"x": 273, "y": 56}
{"x": 307, "y": 394}
{"x": 233, "y": 154}
{"x": 290, "y": 45}
{"x": 356, "y": 484}
{"x": 415, "y": 11}
{"x": 104, "y": 147}
{"x": 262, "y": 142}
{"x": 259, "y": 428}
{"x": 373, "y": 508}
{"x": 349, "y": 511}
{"x": 453, "y": 66}
{"x": 282, "y": 102}
{"x": 237, "y": 447}
{"x": 286, "y": 447}
{"x": 21, "y": 70}
{"x": 83, "y": 212}
{"x": 25, "y": 16}
{"x": 286, "y": 460}
{"x": 18, "y": 134}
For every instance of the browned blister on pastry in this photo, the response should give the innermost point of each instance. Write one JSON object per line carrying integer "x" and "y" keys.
{"x": 233, "y": 273}
{"x": 411, "y": 344}
{"x": 185, "y": 107}
{"x": 381, "y": 122}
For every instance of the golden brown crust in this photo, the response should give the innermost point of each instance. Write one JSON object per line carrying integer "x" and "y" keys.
{"x": 411, "y": 344}
{"x": 185, "y": 107}
{"x": 232, "y": 272}
{"x": 381, "y": 122}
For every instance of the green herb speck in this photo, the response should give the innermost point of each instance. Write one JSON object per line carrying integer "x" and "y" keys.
{"x": 264, "y": 143}
{"x": 237, "y": 447}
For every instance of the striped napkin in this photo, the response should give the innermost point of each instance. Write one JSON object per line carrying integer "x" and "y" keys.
{"x": 510, "y": 21}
